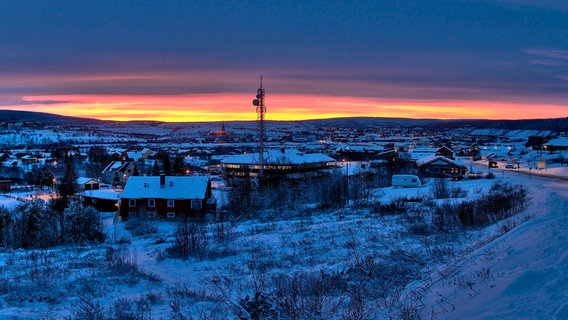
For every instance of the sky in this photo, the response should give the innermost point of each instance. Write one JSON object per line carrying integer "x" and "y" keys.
{"x": 201, "y": 60}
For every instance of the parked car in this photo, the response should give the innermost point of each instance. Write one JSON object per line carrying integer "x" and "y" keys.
{"x": 509, "y": 166}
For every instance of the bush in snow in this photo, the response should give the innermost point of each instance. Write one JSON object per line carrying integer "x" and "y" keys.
{"x": 83, "y": 225}
{"x": 191, "y": 240}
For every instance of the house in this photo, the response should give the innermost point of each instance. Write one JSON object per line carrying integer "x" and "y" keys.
{"x": 102, "y": 200}
{"x": 282, "y": 162}
{"x": 167, "y": 197}
{"x": 29, "y": 159}
{"x": 118, "y": 172}
{"x": 445, "y": 152}
{"x": 560, "y": 143}
{"x": 5, "y": 185}
{"x": 440, "y": 167}
{"x": 84, "y": 184}
{"x": 137, "y": 155}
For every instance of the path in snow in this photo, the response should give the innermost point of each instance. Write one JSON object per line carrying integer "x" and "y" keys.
{"x": 520, "y": 275}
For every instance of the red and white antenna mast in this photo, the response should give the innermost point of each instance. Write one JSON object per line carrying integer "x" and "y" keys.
{"x": 260, "y": 112}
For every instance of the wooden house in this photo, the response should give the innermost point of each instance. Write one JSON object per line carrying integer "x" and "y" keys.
{"x": 440, "y": 167}
{"x": 101, "y": 199}
{"x": 445, "y": 152}
{"x": 167, "y": 197}
{"x": 118, "y": 172}
{"x": 5, "y": 185}
{"x": 84, "y": 184}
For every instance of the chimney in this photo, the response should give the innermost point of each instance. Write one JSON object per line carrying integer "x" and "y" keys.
{"x": 162, "y": 179}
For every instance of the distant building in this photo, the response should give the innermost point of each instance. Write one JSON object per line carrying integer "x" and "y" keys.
{"x": 102, "y": 200}
{"x": 289, "y": 163}
{"x": 84, "y": 184}
{"x": 440, "y": 167}
{"x": 29, "y": 159}
{"x": 136, "y": 155}
{"x": 117, "y": 172}
{"x": 557, "y": 144}
{"x": 5, "y": 185}
{"x": 221, "y": 132}
{"x": 167, "y": 197}
{"x": 445, "y": 152}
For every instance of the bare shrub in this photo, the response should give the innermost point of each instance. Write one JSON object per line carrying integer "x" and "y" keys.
{"x": 140, "y": 226}
{"x": 416, "y": 224}
{"x": 88, "y": 309}
{"x": 458, "y": 192}
{"x": 191, "y": 240}
{"x": 121, "y": 261}
{"x": 307, "y": 295}
{"x": 440, "y": 188}
{"x": 444, "y": 217}
{"x": 224, "y": 232}
{"x": 502, "y": 202}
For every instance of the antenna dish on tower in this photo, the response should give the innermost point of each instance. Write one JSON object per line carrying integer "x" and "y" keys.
{"x": 260, "y": 112}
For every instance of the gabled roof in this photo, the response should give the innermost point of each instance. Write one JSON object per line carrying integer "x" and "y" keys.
{"x": 435, "y": 159}
{"x": 185, "y": 187}
{"x": 117, "y": 166}
{"x": 279, "y": 157}
{"x": 83, "y": 180}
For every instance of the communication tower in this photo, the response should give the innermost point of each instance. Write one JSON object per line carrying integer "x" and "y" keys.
{"x": 260, "y": 112}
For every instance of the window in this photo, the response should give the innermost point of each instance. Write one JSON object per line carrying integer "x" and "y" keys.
{"x": 196, "y": 204}
{"x": 152, "y": 203}
{"x": 171, "y": 203}
{"x": 171, "y": 214}
{"x": 132, "y": 203}
{"x": 151, "y": 214}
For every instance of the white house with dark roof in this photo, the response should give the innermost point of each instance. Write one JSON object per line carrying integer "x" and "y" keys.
{"x": 167, "y": 197}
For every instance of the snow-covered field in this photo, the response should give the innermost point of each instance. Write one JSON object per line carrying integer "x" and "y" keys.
{"x": 344, "y": 264}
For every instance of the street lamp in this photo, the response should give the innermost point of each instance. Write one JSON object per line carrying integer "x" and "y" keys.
{"x": 53, "y": 184}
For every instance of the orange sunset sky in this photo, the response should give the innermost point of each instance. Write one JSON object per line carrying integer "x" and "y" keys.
{"x": 201, "y": 60}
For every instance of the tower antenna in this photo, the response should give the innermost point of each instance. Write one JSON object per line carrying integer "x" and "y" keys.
{"x": 260, "y": 112}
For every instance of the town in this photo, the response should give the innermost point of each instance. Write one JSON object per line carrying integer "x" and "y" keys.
{"x": 217, "y": 157}
{"x": 166, "y": 220}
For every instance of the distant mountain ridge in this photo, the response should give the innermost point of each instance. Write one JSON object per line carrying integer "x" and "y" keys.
{"x": 14, "y": 116}
{"x": 556, "y": 124}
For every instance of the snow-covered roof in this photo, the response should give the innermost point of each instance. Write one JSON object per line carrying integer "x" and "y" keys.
{"x": 562, "y": 141}
{"x": 279, "y": 156}
{"x": 117, "y": 166}
{"x": 83, "y": 180}
{"x": 433, "y": 159}
{"x": 101, "y": 194}
{"x": 184, "y": 187}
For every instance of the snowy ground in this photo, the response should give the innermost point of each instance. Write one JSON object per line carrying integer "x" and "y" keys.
{"x": 482, "y": 273}
{"x": 520, "y": 275}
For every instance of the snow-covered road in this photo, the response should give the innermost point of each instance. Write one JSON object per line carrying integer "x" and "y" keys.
{"x": 520, "y": 275}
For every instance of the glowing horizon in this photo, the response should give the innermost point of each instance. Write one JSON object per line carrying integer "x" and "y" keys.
{"x": 281, "y": 107}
